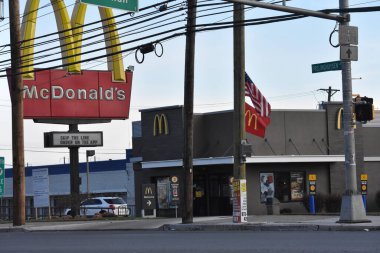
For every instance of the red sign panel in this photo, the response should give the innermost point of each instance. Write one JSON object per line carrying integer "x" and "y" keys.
{"x": 254, "y": 123}
{"x": 58, "y": 94}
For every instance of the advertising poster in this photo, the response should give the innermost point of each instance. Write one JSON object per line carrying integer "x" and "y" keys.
{"x": 174, "y": 191}
{"x": 240, "y": 208}
{"x": 163, "y": 193}
{"x": 297, "y": 185}
{"x": 266, "y": 186}
{"x": 41, "y": 187}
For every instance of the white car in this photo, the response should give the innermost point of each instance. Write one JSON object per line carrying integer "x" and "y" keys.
{"x": 100, "y": 205}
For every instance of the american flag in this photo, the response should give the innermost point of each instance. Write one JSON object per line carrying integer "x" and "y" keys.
{"x": 258, "y": 100}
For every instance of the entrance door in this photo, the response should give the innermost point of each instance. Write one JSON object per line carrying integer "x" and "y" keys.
{"x": 212, "y": 195}
{"x": 200, "y": 203}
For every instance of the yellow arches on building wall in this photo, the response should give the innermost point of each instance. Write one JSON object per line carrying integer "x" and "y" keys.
{"x": 339, "y": 119}
{"x": 71, "y": 39}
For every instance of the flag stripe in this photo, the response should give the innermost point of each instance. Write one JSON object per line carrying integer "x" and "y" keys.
{"x": 259, "y": 102}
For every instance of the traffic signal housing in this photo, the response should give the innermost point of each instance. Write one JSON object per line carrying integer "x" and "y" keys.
{"x": 364, "y": 109}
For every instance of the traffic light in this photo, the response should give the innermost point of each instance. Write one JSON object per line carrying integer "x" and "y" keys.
{"x": 364, "y": 109}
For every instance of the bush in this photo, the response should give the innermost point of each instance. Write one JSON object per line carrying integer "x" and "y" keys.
{"x": 333, "y": 203}
{"x": 319, "y": 202}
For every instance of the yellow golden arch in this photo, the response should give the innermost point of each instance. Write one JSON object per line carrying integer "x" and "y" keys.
{"x": 339, "y": 119}
{"x": 71, "y": 39}
{"x": 160, "y": 122}
{"x": 250, "y": 117}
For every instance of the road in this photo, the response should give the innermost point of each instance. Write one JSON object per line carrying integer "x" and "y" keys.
{"x": 183, "y": 242}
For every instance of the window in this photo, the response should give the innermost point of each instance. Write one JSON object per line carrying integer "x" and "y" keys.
{"x": 285, "y": 186}
{"x": 117, "y": 201}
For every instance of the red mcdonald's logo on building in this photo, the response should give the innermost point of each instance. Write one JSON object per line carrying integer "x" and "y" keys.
{"x": 254, "y": 123}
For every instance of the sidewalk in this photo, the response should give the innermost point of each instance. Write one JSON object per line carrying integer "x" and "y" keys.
{"x": 255, "y": 223}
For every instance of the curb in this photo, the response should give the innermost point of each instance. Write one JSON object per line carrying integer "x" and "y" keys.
{"x": 265, "y": 227}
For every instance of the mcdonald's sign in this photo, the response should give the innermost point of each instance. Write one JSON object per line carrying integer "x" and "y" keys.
{"x": 148, "y": 196}
{"x": 160, "y": 125}
{"x": 339, "y": 120}
{"x": 254, "y": 123}
{"x": 70, "y": 92}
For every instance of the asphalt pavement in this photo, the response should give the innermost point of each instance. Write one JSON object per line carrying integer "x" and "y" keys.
{"x": 215, "y": 223}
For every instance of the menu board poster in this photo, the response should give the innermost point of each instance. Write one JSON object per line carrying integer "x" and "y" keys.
{"x": 297, "y": 185}
{"x": 163, "y": 192}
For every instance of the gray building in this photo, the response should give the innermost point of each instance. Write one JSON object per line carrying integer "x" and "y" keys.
{"x": 297, "y": 143}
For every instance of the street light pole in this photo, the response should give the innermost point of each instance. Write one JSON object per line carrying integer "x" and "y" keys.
{"x": 88, "y": 154}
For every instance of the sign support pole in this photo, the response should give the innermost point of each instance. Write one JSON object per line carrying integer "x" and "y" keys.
{"x": 74, "y": 175}
{"x": 17, "y": 116}
{"x": 352, "y": 208}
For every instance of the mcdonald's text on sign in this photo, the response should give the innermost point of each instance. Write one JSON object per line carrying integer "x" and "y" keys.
{"x": 92, "y": 94}
{"x": 127, "y": 5}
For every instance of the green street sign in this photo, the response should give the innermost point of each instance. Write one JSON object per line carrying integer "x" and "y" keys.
{"x": 126, "y": 5}
{"x": 326, "y": 66}
{"x": 2, "y": 176}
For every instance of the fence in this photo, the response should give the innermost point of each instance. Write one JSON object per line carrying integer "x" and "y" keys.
{"x": 6, "y": 212}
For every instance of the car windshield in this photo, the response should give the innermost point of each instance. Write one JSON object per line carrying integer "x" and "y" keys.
{"x": 117, "y": 201}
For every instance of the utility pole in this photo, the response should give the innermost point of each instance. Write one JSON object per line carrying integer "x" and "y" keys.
{"x": 239, "y": 135}
{"x": 352, "y": 209}
{"x": 330, "y": 92}
{"x": 188, "y": 126}
{"x": 17, "y": 116}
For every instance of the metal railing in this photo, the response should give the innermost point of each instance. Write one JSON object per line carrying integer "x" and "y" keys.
{"x": 42, "y": 213}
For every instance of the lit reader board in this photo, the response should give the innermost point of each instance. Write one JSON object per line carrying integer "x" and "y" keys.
{"x": 79, "y": 139}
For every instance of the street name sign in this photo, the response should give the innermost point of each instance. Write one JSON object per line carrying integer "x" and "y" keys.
{"x": 326, "y": 66}
{"x": 349, "y": 53}
{"x": 126, "y": 5}
{"x": 2, "y": 176}
{"x": 67, "y": 139}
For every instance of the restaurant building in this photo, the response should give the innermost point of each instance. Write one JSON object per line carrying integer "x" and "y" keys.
{"x": 297, "y": 143}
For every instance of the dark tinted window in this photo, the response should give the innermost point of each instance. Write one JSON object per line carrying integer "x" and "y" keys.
{"x": 117, "y": 201}
{"x": 91, "y": 202}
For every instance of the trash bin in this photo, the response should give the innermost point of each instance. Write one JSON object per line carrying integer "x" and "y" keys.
{"x": 273, "y": 206}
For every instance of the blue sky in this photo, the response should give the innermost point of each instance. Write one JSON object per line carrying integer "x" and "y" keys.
{"x": 278, "y": 59}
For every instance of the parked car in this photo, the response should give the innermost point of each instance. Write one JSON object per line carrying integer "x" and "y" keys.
{"x": 92, "y": 206}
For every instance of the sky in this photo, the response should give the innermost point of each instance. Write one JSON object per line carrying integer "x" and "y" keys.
{"x": 278, "y": 59}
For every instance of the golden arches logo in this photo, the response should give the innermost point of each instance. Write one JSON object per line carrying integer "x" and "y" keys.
{"x": 148, "y": 191}
{"x": 160, "y": 123}
{"x": 71, "y": 39}
{"x": 339, "y": 120}
{"x": 250, "y": 117}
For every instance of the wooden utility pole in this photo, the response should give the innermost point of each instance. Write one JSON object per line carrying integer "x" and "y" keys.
{"x": 17, "y": 116}
{"x": 187, "y": 210}
{"x": 239, "y": 90}
{"x": 330, "y": 93}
